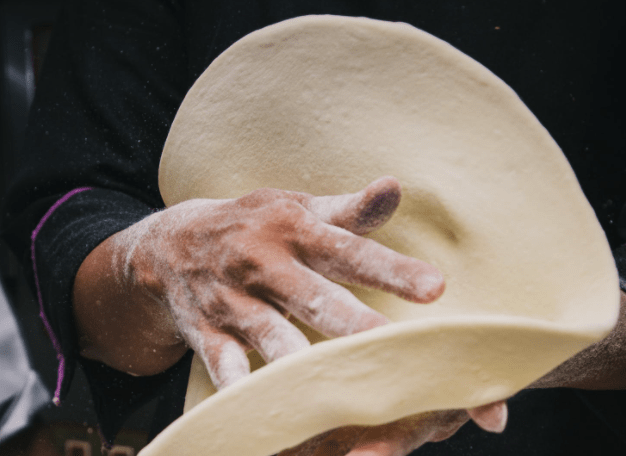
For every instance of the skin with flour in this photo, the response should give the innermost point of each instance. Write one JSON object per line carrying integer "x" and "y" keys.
{"x": 153, "y": 335}
{"x": 391, "y": 439}
{"x": 400, "y": 437}
{"x": 221, "y": 276}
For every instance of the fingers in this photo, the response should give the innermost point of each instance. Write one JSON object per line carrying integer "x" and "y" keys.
{"x": 223, "y": 355}
{"x": 398, "y": 438}
{"x": 281, "y": 254}
{"x": 377, "y": 449}
{"x": 340, "y": 255}
{"x": 220, "y": 341}
{"x": 338, "y": 442}
{"x": 344, "y": 257}
{"x": 360, "y": 212}
{"x": 393, "y": 439}
{"x": 263, "y": 327}
{"x": 490, "y": 417}
{"x": 320, "y": 303}
{"x": 401, "y": 437}
{"x": 379, "y": 446}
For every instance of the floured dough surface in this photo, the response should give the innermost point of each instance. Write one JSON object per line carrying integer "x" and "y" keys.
{"x": 325, "y": 105}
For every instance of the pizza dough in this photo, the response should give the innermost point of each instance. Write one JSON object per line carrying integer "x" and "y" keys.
{"x": 325, "y": 105}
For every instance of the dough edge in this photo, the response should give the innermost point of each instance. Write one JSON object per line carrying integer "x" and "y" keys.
{"x": 346, "y": 383}
{"x": 195, "y": 426}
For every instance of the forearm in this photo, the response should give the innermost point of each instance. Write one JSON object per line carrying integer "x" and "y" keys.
{"x": 601, "y": 366}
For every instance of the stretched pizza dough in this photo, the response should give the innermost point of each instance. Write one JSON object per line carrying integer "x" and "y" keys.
{"x": 325, "y": 105}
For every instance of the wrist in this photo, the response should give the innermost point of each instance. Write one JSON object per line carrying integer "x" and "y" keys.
{"x": 118, "y": 321}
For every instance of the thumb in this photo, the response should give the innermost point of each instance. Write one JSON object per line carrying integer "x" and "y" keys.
{"x": 361, "y": 212}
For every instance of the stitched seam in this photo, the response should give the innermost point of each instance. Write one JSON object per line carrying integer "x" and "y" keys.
{"x": 55, "y": 342}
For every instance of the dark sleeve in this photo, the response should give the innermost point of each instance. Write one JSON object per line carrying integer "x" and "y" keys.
{"x": 620, "y": 261}
{"x": 114, "y": 76}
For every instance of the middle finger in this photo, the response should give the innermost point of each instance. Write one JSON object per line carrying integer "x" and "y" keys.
{"x": 318, "y": 302}
{"x": 342, "y": 256}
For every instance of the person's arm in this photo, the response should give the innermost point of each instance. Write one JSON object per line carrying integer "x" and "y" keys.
{"x": 221, "y": 275}
{"x": 601, "y": 366}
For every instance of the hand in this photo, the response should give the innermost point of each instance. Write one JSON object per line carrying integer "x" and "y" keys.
{"x": 224, "y": 274}
{"x": 400, "y": 437}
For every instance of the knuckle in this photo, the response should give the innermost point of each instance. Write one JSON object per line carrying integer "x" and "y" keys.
{"x": 274, "y": 210}
{"x": 315, "y": 311}
{"x": 279, "y": 339}
{"x": 260, "y": 197}
{"x": 289, "y": 219}
{"x": 288, "y": 210}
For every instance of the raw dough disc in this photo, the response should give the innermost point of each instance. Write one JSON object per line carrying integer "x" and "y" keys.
{"x": 325, "y": 105}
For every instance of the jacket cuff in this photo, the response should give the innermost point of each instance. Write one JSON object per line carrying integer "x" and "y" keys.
{"x": 71, "y": 228}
